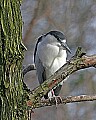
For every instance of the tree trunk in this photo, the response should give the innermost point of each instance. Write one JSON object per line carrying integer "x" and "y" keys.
{"x": 12, "y": 95}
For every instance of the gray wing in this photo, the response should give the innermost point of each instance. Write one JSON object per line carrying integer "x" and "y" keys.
{"x": 35, "y": 51}
{"x": 40, "y": 70}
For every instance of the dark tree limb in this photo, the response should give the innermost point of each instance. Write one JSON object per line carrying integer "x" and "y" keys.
{"x": 28, "y": 68}
{"x": 77, "y": 62}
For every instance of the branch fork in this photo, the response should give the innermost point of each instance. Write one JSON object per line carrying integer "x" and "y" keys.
{"x": 79, "y": 61}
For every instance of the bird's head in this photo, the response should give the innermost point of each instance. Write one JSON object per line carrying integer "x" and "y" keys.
{"x": 61, "y": 39}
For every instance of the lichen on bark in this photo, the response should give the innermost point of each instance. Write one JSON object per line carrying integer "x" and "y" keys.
{"x": 12, "y": 96}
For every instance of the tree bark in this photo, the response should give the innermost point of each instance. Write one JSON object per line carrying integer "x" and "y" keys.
{"x": 12, "y": 95}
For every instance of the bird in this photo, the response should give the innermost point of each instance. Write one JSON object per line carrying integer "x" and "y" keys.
{"x": 50, "y": 54}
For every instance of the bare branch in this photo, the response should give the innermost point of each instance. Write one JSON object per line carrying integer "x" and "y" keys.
{"x": 28, "y": 68}
{"x": 70, "y": 99}
{"x": 77, "y": 62}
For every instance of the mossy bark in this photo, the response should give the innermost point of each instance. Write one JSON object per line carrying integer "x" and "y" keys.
{"x": 12, "y": 95}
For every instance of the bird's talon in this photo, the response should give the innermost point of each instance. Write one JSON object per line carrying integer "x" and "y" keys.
{"x": 57, "y": 100}
{"x": 60, "y": 99}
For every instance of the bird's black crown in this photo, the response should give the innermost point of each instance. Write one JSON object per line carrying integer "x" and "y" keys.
{"x": 57, "y": 34}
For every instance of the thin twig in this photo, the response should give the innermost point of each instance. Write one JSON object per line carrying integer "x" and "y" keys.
{"x": 65, "y": 100}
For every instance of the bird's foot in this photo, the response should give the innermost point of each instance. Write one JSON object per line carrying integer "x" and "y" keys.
{"x": 56, "y": 99}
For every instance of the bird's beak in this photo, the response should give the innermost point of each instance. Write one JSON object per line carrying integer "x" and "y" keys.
{"x": 66, "y": 47}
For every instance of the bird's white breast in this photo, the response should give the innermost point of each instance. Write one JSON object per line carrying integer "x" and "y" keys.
{"x": 51, "y": 55}
{"x": 57, "y": 63}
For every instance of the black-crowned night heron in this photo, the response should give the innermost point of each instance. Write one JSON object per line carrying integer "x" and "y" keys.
{"x": 50, "y": 55}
